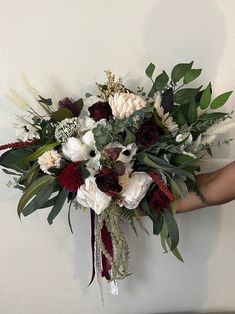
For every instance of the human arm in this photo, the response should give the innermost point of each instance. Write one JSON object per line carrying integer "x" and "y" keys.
{"x": 217, "y": 187}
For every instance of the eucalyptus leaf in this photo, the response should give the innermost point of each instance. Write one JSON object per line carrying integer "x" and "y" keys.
{"x": 13, "y": 159}
{"x": 57, "y": 206}
{"x": 172, "y": 228}
{"x": 42, "y": 150}
{"x": 33, "y": 189}
{"x": 39, "y": 200}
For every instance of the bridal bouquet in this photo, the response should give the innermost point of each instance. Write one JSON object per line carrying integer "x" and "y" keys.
{"x": 119, "y": 155}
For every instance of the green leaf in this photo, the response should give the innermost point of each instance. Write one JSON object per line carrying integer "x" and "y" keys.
{"x": 185, "y": 95}
{"x": 79, "y": 104}
{"x": 130, "y": 137}
{"x": 181, "y": 158}
{"x": 179, "y": 71}
{"x": 42, "y": 150}
{"x": 57, "y": 206}
{"x": 205, "y": 98}
{"x": 69, "y": 217}
{"x": 62, "y": 114}
{"x": 39, "y": 200}
{"x": 220, "y": 100}
{"x": 191, "y": 75}
{"x": 192, "y": 112}
{"x": 180, "y": 118}
{"x": 172, "y": 227}
{"x": 32, "y": 190}
{"x": 13, "y": 158}
{"x": 45, "y": 101}
{"x": 213, "y": 116}
{"x": 149, "y": 70}
{"x": 161, "y": 81}
{"x": 177, "y": 255}
{"x": 32, "y": 173}
{"x": 10, "y": 172}
{"x": 157, "y": 224}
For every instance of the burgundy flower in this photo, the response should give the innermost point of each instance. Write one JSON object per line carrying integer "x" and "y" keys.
{"x": 146, "y": 135}
{"x": 161, "y": 196}
{"x": 159, "y": 200}
{"x": 107, "y": 182}
{"x": 71, "y": 105}
{"x": 113, "y": 152}
{"x": 71, "y": 177}
{"x": 100, "y": 110}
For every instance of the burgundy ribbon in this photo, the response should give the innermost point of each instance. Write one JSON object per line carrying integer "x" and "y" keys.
{"x": 107, "y": 241}
{"x": 92, "y": 215}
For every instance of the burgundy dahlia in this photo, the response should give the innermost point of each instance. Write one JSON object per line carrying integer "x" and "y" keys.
{"x": 71, "y": 177}
{"x": 107, "y": 182}
{"x": 71, "y": 105}
{"x": 146, "y": 135}
{"x": 100, "y": 110}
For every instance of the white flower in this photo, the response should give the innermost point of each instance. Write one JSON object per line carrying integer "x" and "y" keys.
{"x": 165, "y": 118}
{"x": 24, "y": 130}
{"x": 124, "y": 104}
{"x": 135, "y": 190}
{"x": 49, "y": 159}
{"x": 89, "y": 195}
{"x": 186, "y": 137}
{"x": 74, "y": 150}
{"x": 86, "y": 123}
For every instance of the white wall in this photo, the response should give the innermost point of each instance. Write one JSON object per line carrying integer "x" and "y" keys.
{"x": 63, "y": 47}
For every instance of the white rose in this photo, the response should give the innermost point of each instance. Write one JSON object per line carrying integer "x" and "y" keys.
{"x": 124, "y": 104}
{"x": 74, "y": 150}
{"x": 136, "y": 189}
{"x": 89, "y": 195}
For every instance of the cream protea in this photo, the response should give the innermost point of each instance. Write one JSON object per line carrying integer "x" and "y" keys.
{"x": 124, "y": 104}
{"x": 49, "y": 159}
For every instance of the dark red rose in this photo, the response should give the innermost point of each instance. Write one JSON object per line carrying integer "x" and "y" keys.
{"x": 71, "y": 105}
{"x": 71, "y": 177}
{"x": 146, "y": 135}
{"x": 107, "y": 182}
{"x": 100, "y": 110}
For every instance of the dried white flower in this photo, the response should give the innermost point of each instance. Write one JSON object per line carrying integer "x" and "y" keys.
{"x": 49, "y": 159}
{"x": 215, "y": 130}
{"x": 124, "y": 104}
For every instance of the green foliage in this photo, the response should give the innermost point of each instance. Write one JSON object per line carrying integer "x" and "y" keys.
{"x": 173, "y": 231}
{"x": 62, "y": 196}
{"x": 220, "y": 100}
{"x": 192, "y": 112}
{"x": 38, "y": 201}
{"x": 159, "y": 84}
{"x": 102, "y": 136}
{"x": 15, "y": 159}
{"x": 185, "y": 95}
{"x": 180, "y": 70}
{"x": 61, "y": 114}
{"x": 34, "y": 156}
{"x": 32, "y": 190}
{"x": 206, "y": 97}
{"x": 129, "y": 215}
{"x": 191, "y": 75}
{"x": 149, "y": 70}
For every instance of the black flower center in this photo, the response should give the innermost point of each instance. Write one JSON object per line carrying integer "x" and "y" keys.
{"x": 92, "y": 153}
